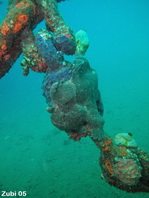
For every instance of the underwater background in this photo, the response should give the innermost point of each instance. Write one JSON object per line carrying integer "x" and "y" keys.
{"x": 38, "y": 158}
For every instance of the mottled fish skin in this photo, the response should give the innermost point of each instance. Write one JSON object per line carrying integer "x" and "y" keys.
{"x": 61, "y": 75}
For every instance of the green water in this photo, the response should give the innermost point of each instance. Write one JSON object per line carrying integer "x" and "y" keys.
{"x": 38, "y": 158}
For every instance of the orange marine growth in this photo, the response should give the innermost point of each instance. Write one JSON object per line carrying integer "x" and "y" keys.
{"x": 108, "y": 142}
{"x": 107, "y": 145}
{"x": 107, "y": 148}
{"x": 4, "y": 47}
{"x": 123, "y": 151}
{"x": 4, "y": 30}
{"x": 17, "y": 27}
{"x": 23, "y": 18}
{"x": 68, "y": 35}
{"x": 108, "y": 165}
{"x": 6, "y": 57}
{"x": 23, "y": 5}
